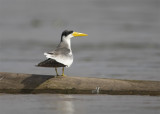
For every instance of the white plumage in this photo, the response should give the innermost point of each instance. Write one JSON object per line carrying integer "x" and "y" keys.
{"x": 61, "y": 59}
{"x": 62, "y": 56}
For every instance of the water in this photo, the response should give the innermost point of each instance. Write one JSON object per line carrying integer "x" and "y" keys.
{"x": 123, "y": 39}
{"x": 123, "y": 43}
{"x": 78, "y": 104}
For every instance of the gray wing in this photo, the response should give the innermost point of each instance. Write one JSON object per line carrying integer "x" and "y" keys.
{"x": 60, "y": 51}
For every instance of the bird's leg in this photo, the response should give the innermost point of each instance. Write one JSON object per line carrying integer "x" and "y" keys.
{"x": 56, "y": 71}
{"x": 63, "y": 71}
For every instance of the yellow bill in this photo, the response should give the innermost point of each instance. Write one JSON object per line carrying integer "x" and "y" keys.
{"x": 79, "y": 34}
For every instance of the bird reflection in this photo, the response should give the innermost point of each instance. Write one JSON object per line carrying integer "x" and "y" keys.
{"x": 65, "y": 105}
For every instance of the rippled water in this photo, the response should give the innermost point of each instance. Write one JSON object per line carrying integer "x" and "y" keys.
{"x": 123, "y": 43}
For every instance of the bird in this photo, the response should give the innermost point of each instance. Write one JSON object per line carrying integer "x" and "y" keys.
{"x": 62, "y": 56}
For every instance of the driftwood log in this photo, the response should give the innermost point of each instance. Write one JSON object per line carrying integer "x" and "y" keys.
{"x": 34, "y": 83}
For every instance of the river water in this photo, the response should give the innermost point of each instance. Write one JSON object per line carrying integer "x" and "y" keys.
{"x": 78, "y": 104}
{"x": 123, "y": 42}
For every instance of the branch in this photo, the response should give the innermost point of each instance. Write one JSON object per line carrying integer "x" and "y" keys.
{"x": 34, "y": 83}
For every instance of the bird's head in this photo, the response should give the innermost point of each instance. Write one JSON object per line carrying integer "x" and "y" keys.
{"x": 68, "y": 34}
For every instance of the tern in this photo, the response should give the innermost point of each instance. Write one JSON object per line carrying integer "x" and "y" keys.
{"x": 62, "y": 56}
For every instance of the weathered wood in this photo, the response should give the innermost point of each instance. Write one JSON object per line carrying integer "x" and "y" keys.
{"x": 33, "y": 83}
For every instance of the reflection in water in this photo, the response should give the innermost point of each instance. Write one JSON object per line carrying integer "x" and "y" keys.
{"x": 78, "y": 104}
{"x": 65, "y": 105}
